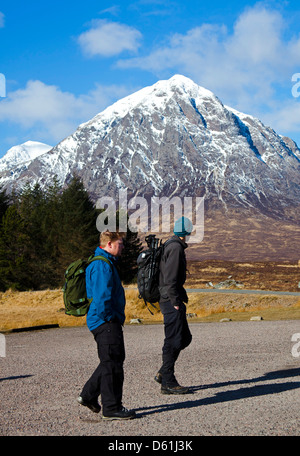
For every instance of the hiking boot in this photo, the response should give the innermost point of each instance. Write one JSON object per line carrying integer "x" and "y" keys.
{"x": 121, "y": 414}
{"x": 93, "y": 406}
{"x": 177, "y": 389}
{"x": 158, "y": 377}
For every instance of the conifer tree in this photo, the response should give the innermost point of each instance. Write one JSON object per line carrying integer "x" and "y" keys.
{"x": 78, "y": 231}
{"x": 4, "y": 205}
{"x": 52, "y": 231}
{"x": 14, "y": 253}
{"x": 44, "y": 230}
{"x": 4, "y": 202}
{"x": 127, "y": 262}
{"x": 33, "y": 211}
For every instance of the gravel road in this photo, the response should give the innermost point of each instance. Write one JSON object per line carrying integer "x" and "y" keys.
{"x": 244, "y": 379}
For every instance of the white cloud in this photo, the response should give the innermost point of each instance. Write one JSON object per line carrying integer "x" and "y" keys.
{"x": 1, "y": 20}
{"x": 243, "y": 67}
{"x": 109, "y": 39}
{"x": 286, "y": 117}
{"x": 256, "y": 38}
{"x": 52, "y": 113}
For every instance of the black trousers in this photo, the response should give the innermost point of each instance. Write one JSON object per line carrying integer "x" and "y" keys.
{"x": 107, "y": 380}
{"x": 177, "y": 337}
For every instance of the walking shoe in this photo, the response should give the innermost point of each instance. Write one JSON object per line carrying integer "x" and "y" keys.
{"x": 158, "y": 377}
{"x": 94, "y": 406}
{"x": 177, "y": 389}
{"x": 122, "y": 414}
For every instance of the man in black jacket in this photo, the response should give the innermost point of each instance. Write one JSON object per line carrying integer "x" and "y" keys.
{"x": 172, "y": 304}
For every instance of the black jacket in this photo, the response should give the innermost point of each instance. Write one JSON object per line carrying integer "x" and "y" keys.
{"x": 173, "y": 272}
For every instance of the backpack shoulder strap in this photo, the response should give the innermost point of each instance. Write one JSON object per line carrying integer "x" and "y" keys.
{"x": 169, "y": 241}
{"x": 99, "y": 257}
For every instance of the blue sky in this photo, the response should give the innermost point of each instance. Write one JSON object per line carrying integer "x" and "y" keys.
{"x": 66, "y": 61}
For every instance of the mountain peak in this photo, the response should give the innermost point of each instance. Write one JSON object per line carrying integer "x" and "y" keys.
{"x": 21, "y": 153}
{"x": 178, "y": 80}
{"x": 175, "y": 138}
{"x": 154, "y": 97}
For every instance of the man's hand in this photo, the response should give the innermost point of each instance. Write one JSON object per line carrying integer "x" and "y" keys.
{"x": 176, "y": 307}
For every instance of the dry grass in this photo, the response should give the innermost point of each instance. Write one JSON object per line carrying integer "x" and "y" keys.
{"x": 238, "y": 307}
{"x": 262, "y": 275}
{"x": 33, "y": 308}
{"x": 38, "y": 308}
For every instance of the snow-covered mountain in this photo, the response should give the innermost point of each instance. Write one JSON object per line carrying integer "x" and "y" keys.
{"x": 174, "y": 138}
{"x": 23, "y": 153}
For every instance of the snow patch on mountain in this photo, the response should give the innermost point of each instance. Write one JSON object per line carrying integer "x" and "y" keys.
{"x": 23, "y": 153}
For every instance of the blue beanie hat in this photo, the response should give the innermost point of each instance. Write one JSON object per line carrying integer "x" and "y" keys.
{"x": 183, "y": 227}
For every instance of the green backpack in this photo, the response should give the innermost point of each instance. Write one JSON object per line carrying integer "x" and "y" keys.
{"x": 74, "y": 290}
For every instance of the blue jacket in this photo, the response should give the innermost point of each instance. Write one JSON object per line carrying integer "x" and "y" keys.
{"x": 103, "y": 284}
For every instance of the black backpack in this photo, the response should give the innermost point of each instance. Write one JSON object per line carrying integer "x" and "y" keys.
{"x": 148, "y": 263}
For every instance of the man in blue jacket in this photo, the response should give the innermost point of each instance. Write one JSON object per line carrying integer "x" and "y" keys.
{"x": 105, "y": 318}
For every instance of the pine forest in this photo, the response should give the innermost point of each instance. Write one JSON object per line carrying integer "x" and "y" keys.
{"x": 43, "y": 230}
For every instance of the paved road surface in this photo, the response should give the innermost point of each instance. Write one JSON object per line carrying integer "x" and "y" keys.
{"x": 243, "y": 376}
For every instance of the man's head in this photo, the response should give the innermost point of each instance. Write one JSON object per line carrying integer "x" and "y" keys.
{"x": 183, "y": 227}
{"x": 112, "y": 242}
